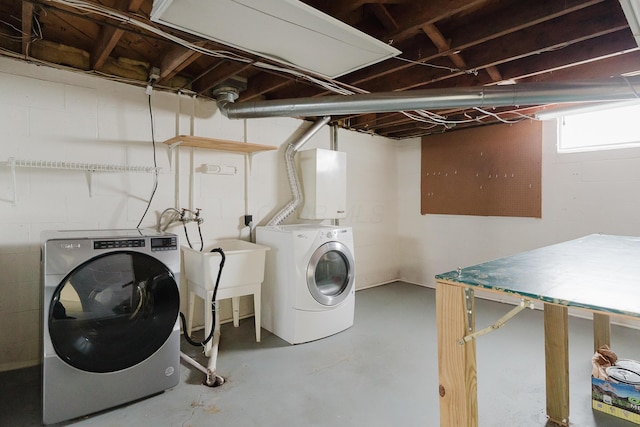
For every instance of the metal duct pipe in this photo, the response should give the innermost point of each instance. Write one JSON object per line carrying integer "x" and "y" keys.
{"x": 292, "y": 174}
{"x": 386, "y": 102}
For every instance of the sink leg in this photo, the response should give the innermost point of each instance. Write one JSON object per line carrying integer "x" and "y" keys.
{"x": 235, "y": 305}
{"x": 256, "y": 311}
{"x": 192, "y": 300}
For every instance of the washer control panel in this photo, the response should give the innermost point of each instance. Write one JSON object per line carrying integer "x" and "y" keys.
{"x": 164, "y": 243}
{"x": 113, "y": 244}
{"x": 169, "y": 243}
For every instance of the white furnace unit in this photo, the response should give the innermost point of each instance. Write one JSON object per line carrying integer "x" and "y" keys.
{"x": 324, "y": 184}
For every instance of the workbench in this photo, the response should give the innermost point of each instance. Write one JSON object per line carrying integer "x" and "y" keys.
{"x": 598, "y": 273}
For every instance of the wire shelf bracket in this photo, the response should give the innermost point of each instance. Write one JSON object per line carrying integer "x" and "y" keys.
{"x": 89, "y": 168}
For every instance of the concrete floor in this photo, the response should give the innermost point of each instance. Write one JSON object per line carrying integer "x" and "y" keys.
{"x": 381, "y": 372}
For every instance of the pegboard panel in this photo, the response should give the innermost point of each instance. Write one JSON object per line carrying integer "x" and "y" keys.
{"x": 489, "y": 171}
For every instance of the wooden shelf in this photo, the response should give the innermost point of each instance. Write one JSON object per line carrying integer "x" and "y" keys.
{"x": 217, "y": 144}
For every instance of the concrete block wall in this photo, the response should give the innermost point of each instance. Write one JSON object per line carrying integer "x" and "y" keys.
{"x": 582, "y": 193}
{"x": 54, "y": 115}
{"x": 48, "y": 114}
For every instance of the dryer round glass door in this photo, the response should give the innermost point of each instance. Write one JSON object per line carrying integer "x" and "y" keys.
{"x": 330, "y": 273}
{"x": 113, "y": 311}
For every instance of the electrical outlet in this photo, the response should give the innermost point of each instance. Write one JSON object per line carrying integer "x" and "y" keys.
{"x": 248, "y": 219}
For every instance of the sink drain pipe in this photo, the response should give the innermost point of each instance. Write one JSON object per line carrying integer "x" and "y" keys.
{"x": 212, "y": 378}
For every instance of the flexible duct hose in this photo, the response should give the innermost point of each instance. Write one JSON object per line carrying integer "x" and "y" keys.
{"x": 292, "y": 174}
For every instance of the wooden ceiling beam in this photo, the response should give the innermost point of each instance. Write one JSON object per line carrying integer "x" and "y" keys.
{"x": 107, "y": 41}
{"x": 176, "y": 60}
{"x": 518, "y": 19}
{"x": 456, "y": 58}
{"x": 262, "y": 83}
{"x": 134, "y": 5}
{"x": 27, "y": 27}
{"x": 406, "y": 127}
{"x": 341, "y": 9}
{"x": 494, "y": 73}
{"x": 384, "y": 120}
{"x": 110, "y": 36}
{"x": 542, "y": 11}
{"x": 225, "y": 71}
{"x": 384, "y": 17}
{"x": 587, "y": 24}
{"x": 443, "y": 45}
{"x": 592, "y": 59}
{"x": 417, "y": 14}
{"x": 364, "y": 120}
{"x": 536, "y": 12}
{"x": 534, "y": 41}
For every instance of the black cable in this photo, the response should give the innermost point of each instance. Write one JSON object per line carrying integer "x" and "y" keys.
{"x": 201, "y": 239}
{"x": 213, "y": 306}
{"x": 155, "y": 165}
{"x": 186, "y": 234}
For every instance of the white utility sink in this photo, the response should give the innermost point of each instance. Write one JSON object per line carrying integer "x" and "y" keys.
{"x": 242, "y": 274}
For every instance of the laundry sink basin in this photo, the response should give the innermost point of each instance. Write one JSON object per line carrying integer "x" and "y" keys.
{"x": 242, "y": 274}
{"x": 244, "y": 264}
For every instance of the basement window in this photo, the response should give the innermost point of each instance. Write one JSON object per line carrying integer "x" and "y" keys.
{"x": 600, "y": 128}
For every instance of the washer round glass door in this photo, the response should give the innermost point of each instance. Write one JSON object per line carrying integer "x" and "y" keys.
{"x": 330, "y": 273}
{"x": 113, "y": 311}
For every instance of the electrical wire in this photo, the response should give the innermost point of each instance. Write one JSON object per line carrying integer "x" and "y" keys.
{"x": 328, "y": 84}
{"x": 15, "y": 29}
{"x": 441, "y": 67}
{"x": 222, "y": 54}
{"x": 36, "y": 31}
{"x": 500, "y": 119}
{"x": 155, "y": 165}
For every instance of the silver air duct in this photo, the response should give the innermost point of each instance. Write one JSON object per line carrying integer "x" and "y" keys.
{"x": 292, "y": 174}
{"x": 387, "y": 102}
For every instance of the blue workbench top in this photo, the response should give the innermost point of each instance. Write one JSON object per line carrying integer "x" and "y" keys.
{"x": 597, "y": 272}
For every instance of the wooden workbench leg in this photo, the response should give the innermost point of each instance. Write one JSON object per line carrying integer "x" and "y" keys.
{"x": 601, "y": 331}
{"x": 556, "y": 344}
{"x": 456, "y": 362}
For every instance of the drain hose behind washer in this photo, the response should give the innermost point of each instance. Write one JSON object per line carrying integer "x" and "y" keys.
{"x": 213, "y": 306}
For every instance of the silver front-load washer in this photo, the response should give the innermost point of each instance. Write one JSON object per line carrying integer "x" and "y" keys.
{"x": 110, "y": 319}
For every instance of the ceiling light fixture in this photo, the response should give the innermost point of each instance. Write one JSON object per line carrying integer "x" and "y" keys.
{"x": 286, "y": 31}
{"x": 631, "y": 9}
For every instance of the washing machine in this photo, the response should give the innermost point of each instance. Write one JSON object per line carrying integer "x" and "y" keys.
{"x": 309, "y": 287}
{"x": 110, "y": 319}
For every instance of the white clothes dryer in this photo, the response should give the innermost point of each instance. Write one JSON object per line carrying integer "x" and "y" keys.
{"x": 110, "y": 319}
{"x": 309, "y": 287}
